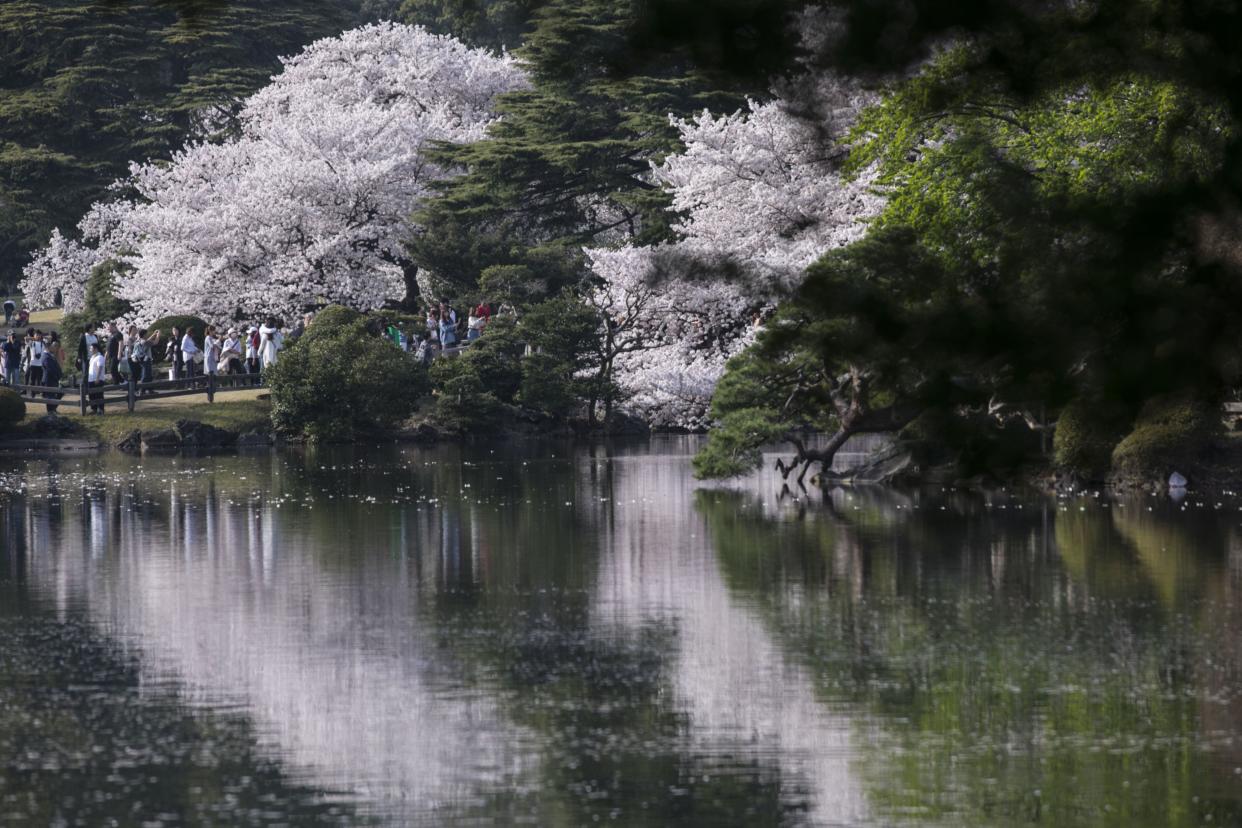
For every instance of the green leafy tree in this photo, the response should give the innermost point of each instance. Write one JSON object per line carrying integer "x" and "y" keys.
{"x": 1067, "y": 185}
{"x": 464, "y": 402}
{"x": 473, "y": 388}
{"x": 512, "y": 285}
{"x": 1084, "y": 213}
{"x": 547, "y": 386}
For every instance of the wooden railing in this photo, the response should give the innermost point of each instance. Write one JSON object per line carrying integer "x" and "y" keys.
{"x": 131, "y": 393}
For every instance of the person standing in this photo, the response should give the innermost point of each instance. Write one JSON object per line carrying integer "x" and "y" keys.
{"x": 252, "y": 353}
{"x": 25, "y": 355}
{"x": 174, "y": 353}
{"x": 140, "y": 359}
{"x": 211, "y": 351}
{"x": 231, "y": 353}
{"x": 448, "y": 326}
{"x": 35, "y": 351}
{"x": 10, "y": 310}
{"x": 190, "y": 352}
{"x": 138, "y": 353}
{"x": 56, "y": 349}
{"x": 51, "y": 378}
{"x": 425, "y": 352}
{"x": 131, "y": 352}
{"x": 433, "y": 325}
{"x": 113, "y": 353}
{"x": 12, "y": 353}
{"x": 95, "y": 374}
{"x": 301, "y": 327}
{"x": 86, "y": 348}
{"x": 477, "y": 321}
{"x": 268, "y": 346}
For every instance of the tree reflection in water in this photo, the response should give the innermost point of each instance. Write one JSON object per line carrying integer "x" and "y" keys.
{"x": 563, "y": 635}
{"x": 1078, "y": 673}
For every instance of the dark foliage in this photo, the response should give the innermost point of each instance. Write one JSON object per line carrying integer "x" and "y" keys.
{"x": 337, "y": 380}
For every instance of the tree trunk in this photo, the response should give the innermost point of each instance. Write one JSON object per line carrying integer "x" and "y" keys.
{"x": 855, "y": 421}
{"x": 412, "y": 299}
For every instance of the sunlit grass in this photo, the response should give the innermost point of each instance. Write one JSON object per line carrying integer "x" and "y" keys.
{"x": 46, "y": 318}
{"x": 241, "y": 412}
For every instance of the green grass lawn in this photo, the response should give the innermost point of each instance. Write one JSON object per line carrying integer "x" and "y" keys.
{"x": 238, "y": 411}
{"x": 46, "y": 320}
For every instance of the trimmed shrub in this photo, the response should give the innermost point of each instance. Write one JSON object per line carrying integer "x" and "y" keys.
{"x": 1171, "y": 433}
{"x": 12, "y": 409}
{"x": 71, "y": 327}
{"x": 332, "y": 318}
{"x": 337, "y": 380}
{"x": 1085, "y": 436}
{"x": 497, "y": 357}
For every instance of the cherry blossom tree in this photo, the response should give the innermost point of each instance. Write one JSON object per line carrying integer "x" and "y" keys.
{"x": 668, "y": 337}
{"x": 59, "y": 272}
{"x": 763, "y": 197}
{"x": 311, "y": 203}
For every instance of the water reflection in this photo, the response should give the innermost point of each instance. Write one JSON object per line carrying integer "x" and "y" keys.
{"x": 1088, "y": 680}
{"x": 561, "y": 635}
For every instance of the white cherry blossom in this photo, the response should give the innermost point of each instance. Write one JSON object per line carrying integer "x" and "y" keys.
{"x": 762, "y": 197}
{"x": 311, "y": 203}
{"x": 59, "y": 271}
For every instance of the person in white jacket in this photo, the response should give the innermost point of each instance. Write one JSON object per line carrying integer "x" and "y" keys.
{"x": 269, "y": 342}
{"x": 252, "y": 350}
{"x": 189, "y": 351}
{"x": 231, "y": 353}
{"x": 95, "y": 375}
{"x": 34, "y": 359}
{"x": 211, "y": 350}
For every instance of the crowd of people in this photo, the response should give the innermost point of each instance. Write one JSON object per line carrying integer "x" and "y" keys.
{"x": 35, "y": 358}
{"x": 110, "y": 356}
{"x": 446, "y": 330}
{"x": 228, "y": 351}
{"x": 13, "y": 314}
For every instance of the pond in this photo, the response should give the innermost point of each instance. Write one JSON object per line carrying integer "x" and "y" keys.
{"x": 568, "y": 635}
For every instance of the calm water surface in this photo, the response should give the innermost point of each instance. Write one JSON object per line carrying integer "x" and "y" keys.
{"x": 568, "y": 636}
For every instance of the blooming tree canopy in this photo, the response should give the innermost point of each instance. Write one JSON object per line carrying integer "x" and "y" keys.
{"x": 312, "y": 201}
{"x": 763, "y": 198}
{"x": 59, "y": 271}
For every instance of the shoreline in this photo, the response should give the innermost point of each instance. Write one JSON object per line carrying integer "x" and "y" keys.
{"x": 195, "y": 437}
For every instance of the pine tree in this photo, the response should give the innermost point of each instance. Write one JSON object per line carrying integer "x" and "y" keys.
{"x": 494, "y": 24}
{"x": 89, "y": 87}
{"x": 569, "y": 164}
